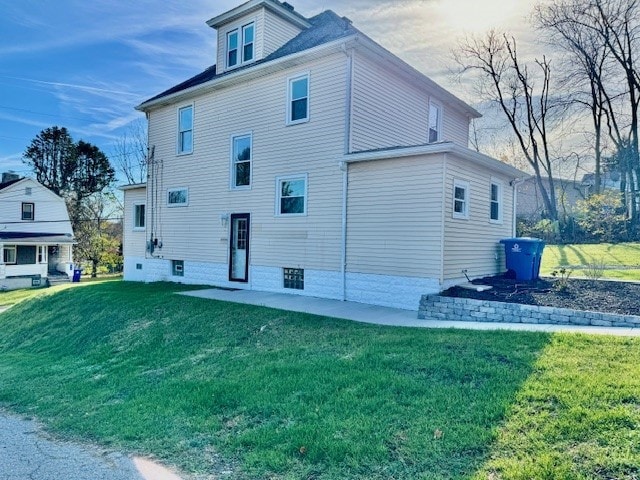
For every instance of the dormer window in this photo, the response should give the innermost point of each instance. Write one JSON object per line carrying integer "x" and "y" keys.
{"x": 235, "y": 55}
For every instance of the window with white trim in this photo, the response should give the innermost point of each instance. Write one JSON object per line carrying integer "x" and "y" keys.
{"x": 185, "y": 130}
{"x": 138, "y": 216}
{"x": 177, "y": 268}
{"x": 495, "y": 209}
{"x": 238, "y": 54}
{"x": 293, "y": 278}
{"x": 178, "y": 197}
{"x": 460, "y": 199}
{"x": 241, "y": 147}
{"x": 9, "y": 254}
{"x": 298, "y": 100}
{"x": 28, "y": 211}
{"x": 291, "y": 195}
{"x": 435, "y": 122}
{"x": 42, "y": 254}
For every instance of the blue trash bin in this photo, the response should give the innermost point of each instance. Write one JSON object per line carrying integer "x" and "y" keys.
{"x": 523, "y": 255}
{"x": 77, "y": 273}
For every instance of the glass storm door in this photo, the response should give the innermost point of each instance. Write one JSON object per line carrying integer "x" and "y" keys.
{"x": 239, "y": 248}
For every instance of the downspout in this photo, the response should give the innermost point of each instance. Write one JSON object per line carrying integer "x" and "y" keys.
{"x": 344, "y": 166}
{"x": 514, "y": 184}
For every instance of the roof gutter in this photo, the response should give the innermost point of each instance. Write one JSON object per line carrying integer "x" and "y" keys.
{"x": 258, "y": 70}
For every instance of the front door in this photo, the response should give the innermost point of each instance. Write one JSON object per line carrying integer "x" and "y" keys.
{"x": 239, "y": 248}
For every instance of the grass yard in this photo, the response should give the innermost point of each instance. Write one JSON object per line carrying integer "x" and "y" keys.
{"x": 266, "y": 394}
{"x": 621, "y": 261}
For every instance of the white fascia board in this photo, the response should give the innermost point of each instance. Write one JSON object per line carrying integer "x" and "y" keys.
{"x": 252, "y": 5}
{"x": 249, "y": 73}
{"x": 132, "y": 186}
{"x": 443, "y": 94}
{"x": 435, "y": 148}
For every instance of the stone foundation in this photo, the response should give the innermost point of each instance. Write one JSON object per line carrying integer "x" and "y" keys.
{"x": 436, "y": 307}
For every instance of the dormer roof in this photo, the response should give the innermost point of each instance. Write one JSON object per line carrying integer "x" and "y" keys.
{"x": 282, "y": 9}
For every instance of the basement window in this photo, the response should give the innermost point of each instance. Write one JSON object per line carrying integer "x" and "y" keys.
{"x": 293, "y": 278}
{"x": 177, "y": 268}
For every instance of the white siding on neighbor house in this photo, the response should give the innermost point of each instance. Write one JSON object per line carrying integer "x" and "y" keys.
{"x": 394, "y": 222}
{"x": 389, "y": 110}
{"x": 50, "y": 210}
{"x": 133, "y": 241}
{"x": 277, "y": 32}
{"x": 258, "y": 18}
{"x": 473, "y": 243}
{"x": 195, "y": 232}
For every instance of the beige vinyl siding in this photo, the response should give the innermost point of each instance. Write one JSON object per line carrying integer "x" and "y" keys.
{"x": 134, "y": 241}
{"x": 277, "y": 32}
{"x": 394, "y": 221}
{"x": 387, "y": 111}
{"x": 259, "y": 107}
{"x": 258, "y": 17}
{"x": 50, "y": 211}
{"x": 473, "y": 244}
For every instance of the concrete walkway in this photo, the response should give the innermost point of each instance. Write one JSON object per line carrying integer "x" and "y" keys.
{"x": 361, "y": 312}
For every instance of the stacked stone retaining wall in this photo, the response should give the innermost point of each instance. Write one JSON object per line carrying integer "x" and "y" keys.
{"x": 436, "y": 307}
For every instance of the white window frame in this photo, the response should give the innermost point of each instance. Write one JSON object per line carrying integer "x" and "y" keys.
{"x": 252, "y": 42}
{"x": 181, "y": 131}
{"x": 5, "y": 250}
{"x": 136, "y": 206}
{"x": 232, "y": 167}
{"x": 279, "y": 180}
{"x": 42, "y": 254}
{"x": 33, "y": 212}
{"x": 433, "y": 104}
{"x": 238, "y": 51}
{"x": 175, "y": 204}
{"x": 466, "y": 202}
{"x": 499, "y": 200}
{"x": 177, "y": 268}
{"x": 290, "y": 99}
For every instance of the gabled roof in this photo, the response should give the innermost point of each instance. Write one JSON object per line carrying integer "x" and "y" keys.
{"x": 325, "y": 27}
{"x": 283, "y": 9}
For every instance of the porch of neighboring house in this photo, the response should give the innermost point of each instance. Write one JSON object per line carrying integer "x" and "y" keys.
{"x": 35, "y": 261}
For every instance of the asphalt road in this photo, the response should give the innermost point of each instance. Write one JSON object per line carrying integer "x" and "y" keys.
{"x": 27, "y": 454}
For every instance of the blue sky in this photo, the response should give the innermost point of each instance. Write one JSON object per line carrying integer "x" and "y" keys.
{"x": 85, "y": 65}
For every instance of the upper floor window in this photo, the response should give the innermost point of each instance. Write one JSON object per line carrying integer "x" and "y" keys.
{"x": 138, "y": 217}
{"x": 236, "y": 55}
{"x": 177, "y": 197}
{"x": 185, "y": 129}
{"x": 9, "y": 254}
{"x": 460, "y": 199}
{"x": 28, "y": 211}
{"x": 241, "y": 161}
{"x": 291, "y": 195}
{"x": 495, "y": 214}
{"x": 435, "y": 121}
{"x": 298, "y": 104}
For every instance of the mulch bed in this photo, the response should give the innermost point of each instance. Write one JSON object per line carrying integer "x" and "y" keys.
{"x": 592, "y": 295}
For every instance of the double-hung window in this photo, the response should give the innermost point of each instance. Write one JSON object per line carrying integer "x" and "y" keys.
{"x": 28, "y": 211}
{"x": 185, "y": 130}
{"x": 495, "y": 213}
{"x": 291, "y": 195}
{"x": 435, "y": 121}
{"x": 138, "y": 217}
{"x": 238, "y": 54}
{"x": 298, "y": 99}
{"x": 9, "y": 254}
{"x": 241, "y": 146}
{"x": 460, "y": 199}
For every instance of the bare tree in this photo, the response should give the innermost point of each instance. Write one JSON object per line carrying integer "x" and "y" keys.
{"x": 525, "y": 103}
{"x": 130, "y": 153}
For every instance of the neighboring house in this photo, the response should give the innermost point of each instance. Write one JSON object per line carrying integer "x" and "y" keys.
{"x": 36, "y": 237}
{"x": 568, "y": 192}
{"x": 311, "y": 160}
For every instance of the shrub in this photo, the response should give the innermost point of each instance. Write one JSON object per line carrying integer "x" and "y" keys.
{"x": 602, "y": 218}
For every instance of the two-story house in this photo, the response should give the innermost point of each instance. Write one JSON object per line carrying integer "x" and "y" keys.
{"x": 311, "y": 160}
{"x": 36, "y": 238}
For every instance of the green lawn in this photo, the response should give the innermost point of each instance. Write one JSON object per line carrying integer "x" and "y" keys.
{"x": 263, "y": 393}
{"x": 621, "y": 261}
